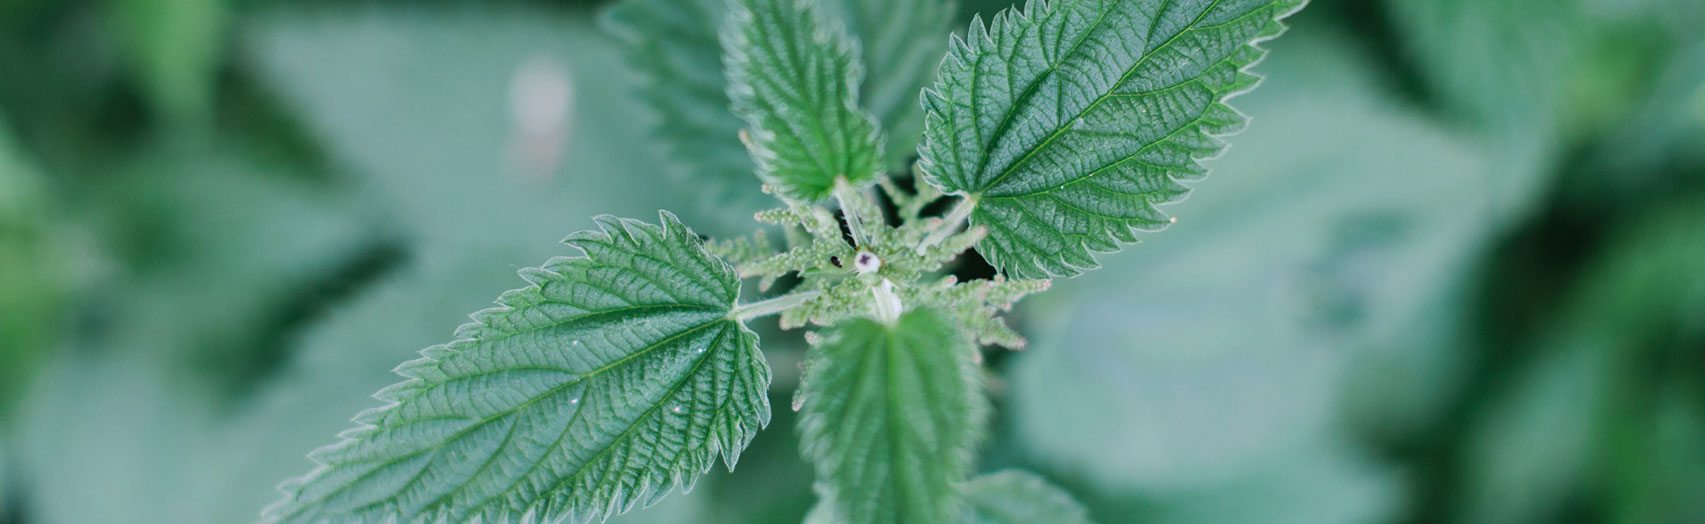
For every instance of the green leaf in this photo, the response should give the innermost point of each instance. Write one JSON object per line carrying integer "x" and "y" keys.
{"x": 674, "y": 46}
{"x": 1071, "y": 120}
{"x": 612, "y": 379}
{"x": 795, "y": 79}
{"x": 891, "y": 414}
{"x": 1017, "y": 497}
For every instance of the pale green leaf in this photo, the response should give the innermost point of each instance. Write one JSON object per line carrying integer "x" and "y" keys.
{"x": 1327, "y": 484}
{"x": 421, "y": 117}
{"x": 795, "y": 80}
{"x": 5, "y": 476}
{"x": 1501, "y": 67}
{"x": 1017, "y": 497}
{"x": 891, "y": 414}
{"x": 612, "y": 379}
{"x": 1071, "y": 120}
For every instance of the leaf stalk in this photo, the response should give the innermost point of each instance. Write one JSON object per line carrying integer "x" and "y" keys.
{"x": 949, "y": 223}
{"x": 773, "y": 306}
{"x": 848, "y": 197}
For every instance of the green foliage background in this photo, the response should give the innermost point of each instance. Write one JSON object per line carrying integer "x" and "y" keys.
{"x": 1454, "y": 271}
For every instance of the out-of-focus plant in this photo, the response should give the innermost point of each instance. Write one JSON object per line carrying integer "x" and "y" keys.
{"x": 1050, "y": 134}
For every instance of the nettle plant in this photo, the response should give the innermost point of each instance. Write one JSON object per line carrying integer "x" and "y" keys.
{"x": 1050, "y": 134}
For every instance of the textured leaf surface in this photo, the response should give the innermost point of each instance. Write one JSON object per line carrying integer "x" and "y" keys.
{"x": 612, "y": 379}
{"x": 795, "y": 82}
{"x": 890, "y": 418}
{"x": 1016, "y": 497}
{"x": 1071, "y": 120}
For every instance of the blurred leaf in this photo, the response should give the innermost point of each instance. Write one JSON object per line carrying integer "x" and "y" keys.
{"x": 1642, "y": 303}
{"x": 794, "y": 80}
{"x": 187, "y": 224}
{"x": 34, "y": 274}
{"x": 891, "y": 413}
{"x": 1314, "y": 487}
{"x": 418, "y": 101}
{"x": 174, "y": 47}
{"x": 1067, "y": 149}
{"x": 1654, "y": 150}
{"x": 1220, "y": 348}
{"x": 1662, "y": 471}
{"x": 121, "y": 426}
{"x": 1017, "y": 497}
{"x": 460, "y": 422}
{"x": 6, "y": 488}
{"x": 1530, "y": 445}
{"x": 674, "y": 46}
{"x": 1498, "y": 66}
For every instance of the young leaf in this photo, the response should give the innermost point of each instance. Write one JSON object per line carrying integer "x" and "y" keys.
{"x": 795, "y": 81}
{"x": 612, "y": 379}
{"x": 890, "y": 417}
{"x": 674, "y": 46}
{"x": 1069, "y": 121}
{"x": 1017, "y": 497}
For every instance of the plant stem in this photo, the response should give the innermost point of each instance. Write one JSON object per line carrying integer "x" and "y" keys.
{"x": 949, "y": 224}
{"x": 848, "y": 197}
{"x": 773, "y": 306}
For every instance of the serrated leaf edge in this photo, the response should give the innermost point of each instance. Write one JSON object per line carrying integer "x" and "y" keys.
{"x": 392, "y": 396}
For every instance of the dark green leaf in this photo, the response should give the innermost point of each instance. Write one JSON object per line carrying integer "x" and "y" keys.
{"x": 1070, "y": 120}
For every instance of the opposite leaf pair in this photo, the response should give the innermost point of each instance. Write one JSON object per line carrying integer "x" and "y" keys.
{"x": 618, "y": 376}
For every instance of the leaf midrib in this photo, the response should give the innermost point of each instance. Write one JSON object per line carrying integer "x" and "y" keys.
{"x": 1035, "y": 85}
{"x": 510, "y": 411}
{"x": 1034, "y": 150}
